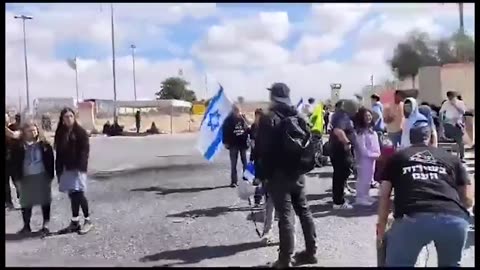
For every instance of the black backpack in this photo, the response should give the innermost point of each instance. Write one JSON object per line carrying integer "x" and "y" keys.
{"x": 296, "y": 150}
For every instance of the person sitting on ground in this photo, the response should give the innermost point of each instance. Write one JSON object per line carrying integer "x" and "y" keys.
{"x": 432, "y": 194}
{"x": 116, "y": 129}
{"x": 153, "y": 129}
{"x": 106, "y": 127}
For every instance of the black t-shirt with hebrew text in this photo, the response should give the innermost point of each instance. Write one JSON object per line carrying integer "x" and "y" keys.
{"x": 425, "y": 180}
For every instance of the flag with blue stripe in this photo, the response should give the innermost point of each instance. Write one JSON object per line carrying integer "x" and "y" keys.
{"x": 299, "y": 104}
{"x": 211, "y": 136}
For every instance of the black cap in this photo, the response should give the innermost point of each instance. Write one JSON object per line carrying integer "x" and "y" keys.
{"x": 280, "y": 92}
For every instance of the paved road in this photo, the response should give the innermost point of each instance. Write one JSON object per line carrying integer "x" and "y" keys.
{"x": 179, "y": 212}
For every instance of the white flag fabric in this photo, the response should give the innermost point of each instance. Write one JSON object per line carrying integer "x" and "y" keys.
{"x": 211, "y": 135}
{"x": 72, "y": 63}
{"x": 300, "y": 105}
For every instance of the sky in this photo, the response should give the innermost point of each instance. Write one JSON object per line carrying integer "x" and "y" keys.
{"x": 244, "y": 47}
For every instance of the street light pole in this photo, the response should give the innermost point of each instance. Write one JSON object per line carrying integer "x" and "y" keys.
{"x": 115, "y": 116}
{"x": 134, "y": 79}
{"x": 76, "y": 79}
{"x": 24, "y": 18}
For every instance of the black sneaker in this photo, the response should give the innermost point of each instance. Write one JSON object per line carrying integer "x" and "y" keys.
{"x": 233, "y": 185}
{"x": 45, "y": 230}
{"x": 87, "y": 226}
{"x": 304, "y": 257}
{"x": 25, "y": 230}
{"x": 281, "y": 264}
{"x": 463, "y": 160}
{"x": 72, "y": 228}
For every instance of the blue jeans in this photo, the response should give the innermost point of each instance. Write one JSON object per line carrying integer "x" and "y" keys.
{"x": 409, "y": 235}
{"x": 396, "y": 138}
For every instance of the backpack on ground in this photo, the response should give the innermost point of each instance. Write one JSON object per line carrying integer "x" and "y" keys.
{"x": 296, "y": 151}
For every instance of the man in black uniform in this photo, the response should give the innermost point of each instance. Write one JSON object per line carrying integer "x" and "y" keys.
{"x": 138, "y": 120}
{"x": 286, "y": 187}
{"x": 235, "y": 139}
{"x": 432, "y": 195}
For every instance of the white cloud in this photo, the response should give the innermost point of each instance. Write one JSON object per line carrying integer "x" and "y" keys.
{"x": 246, "y": 54}
{"x": 310, "y": 48}
{"x": 247, "y": 42}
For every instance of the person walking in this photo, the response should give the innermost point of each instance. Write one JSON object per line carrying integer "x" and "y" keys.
{"x": 73, "y": 149}
{"x": 10, "y": 143}
{"x": 283, "y": 172}
{"x": 138, "y": 120}
{"x": 235, "y": 139}
{"x": 412, "y": 115}
{"x": 377, "y": 113}
{"x": 453, "y": 111}
{"x": 342, "y": 137}
{"x": 33, "y": 166}
{"x": 394, "y": 117}
{"x": 367, "y": 150}
{"x": 432, "y": 194}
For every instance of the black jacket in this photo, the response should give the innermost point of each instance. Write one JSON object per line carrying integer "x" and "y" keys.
{"x": 18, "y": 156}
{"x": 73, "y": 152}
{"x": 235, "y": 132}
{"x": 10, "y": 144}
{"x": 267, "y": 157}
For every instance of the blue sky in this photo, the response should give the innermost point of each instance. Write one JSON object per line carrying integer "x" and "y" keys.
{"x": 232, "y": 43}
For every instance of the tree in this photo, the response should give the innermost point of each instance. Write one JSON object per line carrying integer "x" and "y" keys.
{"x": 445, "y": 52}
{"x": 464, "y": 47}
{"x": 409, "y": 56}
{"x": 175, "y": 88}
{"x": 405, "y": 62}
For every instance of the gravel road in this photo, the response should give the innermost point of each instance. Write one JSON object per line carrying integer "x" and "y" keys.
{"x": 178, "y": 211}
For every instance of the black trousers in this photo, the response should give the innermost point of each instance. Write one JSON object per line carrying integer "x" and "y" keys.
{"x": 27, "y": 214}
{"x": 234, "y": 152}
{"x": 77, "y": 201}
{"x": 288, "y": 194}
{"x": 342, "y": 163}
{"x": 8, "y": 191}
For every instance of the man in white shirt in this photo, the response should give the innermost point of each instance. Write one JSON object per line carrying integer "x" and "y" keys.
{"x": 452, "y": 113}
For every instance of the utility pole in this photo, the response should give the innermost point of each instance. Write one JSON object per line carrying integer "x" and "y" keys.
{"x": 206, "y": 87}
{"x": 115, "y": 115}
{"x": 134, "y": 79}
{"x": 24, "y": 18}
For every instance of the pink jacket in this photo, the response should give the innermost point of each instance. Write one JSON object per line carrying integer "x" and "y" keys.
{"x": 367, "y": 145}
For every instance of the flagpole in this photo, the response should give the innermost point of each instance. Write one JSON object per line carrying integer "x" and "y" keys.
{"x": 115, "y": 116}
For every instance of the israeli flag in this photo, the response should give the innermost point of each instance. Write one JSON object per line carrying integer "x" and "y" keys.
{"x": 300, "y": 104}
{"x": 210, "y": 139}
{"x": 249, "y": 173}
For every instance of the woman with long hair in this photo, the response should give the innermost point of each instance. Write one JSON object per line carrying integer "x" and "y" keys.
{"x": 33, "y": 166}
{"x": 73, "y": 148}
{"x": 367, "y": 150}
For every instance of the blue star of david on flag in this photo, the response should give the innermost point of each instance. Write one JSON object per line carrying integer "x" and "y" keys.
{"x": 213, "y": 120}
{"x": 210, "y": 140}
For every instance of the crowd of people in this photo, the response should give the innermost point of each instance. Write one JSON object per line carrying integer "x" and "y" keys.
{"x": 430, "y": 184}
{"x": 394, "y": 145}
{"x": 32, "y": 166}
